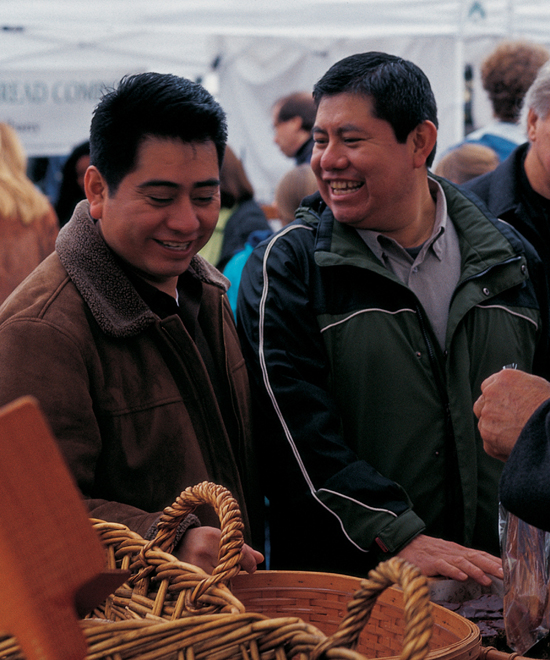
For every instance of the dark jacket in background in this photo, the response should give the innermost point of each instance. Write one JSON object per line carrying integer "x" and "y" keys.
{"x": 303, "y": 155}
{"x": 247, "y": 217}
{"x": 508, "y": 195}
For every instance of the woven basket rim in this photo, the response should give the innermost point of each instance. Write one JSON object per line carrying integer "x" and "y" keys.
{"x": 467, "y": 632}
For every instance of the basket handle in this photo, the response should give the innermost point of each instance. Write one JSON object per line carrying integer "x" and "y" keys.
{"x": 231, "y": 525}
{"x": 417, "y": 610}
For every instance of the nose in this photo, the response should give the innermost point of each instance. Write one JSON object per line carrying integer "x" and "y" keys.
{"x": 333, "y": 156}
{"x": 183, "y": 217}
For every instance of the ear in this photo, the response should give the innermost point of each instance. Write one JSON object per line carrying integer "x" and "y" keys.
{"x": 532, "y": 119}
{"x": 96, "y": 190}
{"x": 296, "y": 123}
{"x": 424, "y": 137}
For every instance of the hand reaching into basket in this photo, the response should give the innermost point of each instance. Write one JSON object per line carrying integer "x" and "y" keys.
{"x": 200, "y": 547}
{"x": 436, "y": 557}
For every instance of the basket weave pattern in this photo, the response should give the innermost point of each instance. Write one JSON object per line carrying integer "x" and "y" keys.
{"x": 162, "y": 585}
{"x": 170, "y": 610}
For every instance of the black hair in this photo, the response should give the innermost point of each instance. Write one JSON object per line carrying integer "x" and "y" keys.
{"x": 298, "y": 104}
{"x": 151, "y": 104}
{"x": 400, "y": 91}
{"x": 70, "y": 193}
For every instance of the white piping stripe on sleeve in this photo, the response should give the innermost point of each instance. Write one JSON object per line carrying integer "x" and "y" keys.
{"x": 506, "y": 309}
{"x": 261, "y": 353}
{"x": 351, "y": 499}
{"x": 365, "y": 311}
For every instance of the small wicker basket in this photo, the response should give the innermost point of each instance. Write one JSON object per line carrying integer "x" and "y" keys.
{"x": 162, "y": 585}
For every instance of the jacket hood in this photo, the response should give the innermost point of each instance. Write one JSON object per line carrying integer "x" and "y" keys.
{"x": 96, "y": 273}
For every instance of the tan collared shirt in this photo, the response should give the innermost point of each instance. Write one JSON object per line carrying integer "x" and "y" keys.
{"x": 434, "y": 272}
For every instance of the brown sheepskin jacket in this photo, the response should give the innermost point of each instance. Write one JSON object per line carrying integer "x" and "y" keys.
{"x": 127, "y": 394}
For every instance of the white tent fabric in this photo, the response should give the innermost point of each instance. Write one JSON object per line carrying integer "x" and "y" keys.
{"x": 255, "y": 75}
{"x": 55, "y": 55}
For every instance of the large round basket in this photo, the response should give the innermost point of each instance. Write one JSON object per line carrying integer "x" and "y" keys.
{"x": 322, "y": 599}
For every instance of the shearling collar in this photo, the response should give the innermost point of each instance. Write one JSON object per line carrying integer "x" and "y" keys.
{"x": 103, "y": 284}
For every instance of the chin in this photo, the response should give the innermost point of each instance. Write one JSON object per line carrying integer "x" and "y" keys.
{"x": 348, "y": 219}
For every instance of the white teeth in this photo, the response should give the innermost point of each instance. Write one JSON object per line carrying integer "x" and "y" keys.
{"x": 179, "y": 246}
{"x": 345, "y": 186}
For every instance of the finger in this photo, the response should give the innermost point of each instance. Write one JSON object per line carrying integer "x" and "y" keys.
{"x": 476, "y": 562}
{"x": 489, "y": 381}
{"x": 489, "y": 563}
{"x": 478, "y": 406}
{"x": 458, "y": 568}
{"x": 258, "y": 556}
{"x": 250, "y": 559}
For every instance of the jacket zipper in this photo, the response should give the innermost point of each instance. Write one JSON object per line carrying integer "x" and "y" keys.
{"x": 453, "y": 486}
{"x": 453, "y": 490}
{"x": 484, "y": 272}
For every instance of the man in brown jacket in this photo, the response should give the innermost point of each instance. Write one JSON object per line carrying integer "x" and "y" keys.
{"x": 124, "y": 334}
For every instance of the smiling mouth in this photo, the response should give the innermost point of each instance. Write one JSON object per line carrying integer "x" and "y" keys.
{"x": 173, "y": 245}
{"x": 344, "y": 187}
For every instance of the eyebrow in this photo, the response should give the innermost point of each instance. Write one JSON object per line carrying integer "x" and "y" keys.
{"x": 157, "y": 183}
{"x": 341, "y": 129}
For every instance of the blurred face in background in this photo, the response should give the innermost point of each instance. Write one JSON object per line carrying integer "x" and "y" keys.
{"x": 288, "y": 135}
{"x": 537, "y": 161}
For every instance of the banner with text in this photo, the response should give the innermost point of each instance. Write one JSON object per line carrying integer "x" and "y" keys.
{"x": 51, "y": 111}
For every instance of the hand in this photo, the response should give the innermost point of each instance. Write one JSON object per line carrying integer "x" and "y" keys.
{"x": 438, "y": 557}
{"x": 200, "y": 546}
{"x": 508, "y": 398}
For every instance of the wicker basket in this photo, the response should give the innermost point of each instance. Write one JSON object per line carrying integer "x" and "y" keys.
{"x": 207, "y": 620}
{"x": 162, "y": 585}
{"x": 322, "y": 599}
{"x": 255, "y": 636}
{"x": 213, "y": 636}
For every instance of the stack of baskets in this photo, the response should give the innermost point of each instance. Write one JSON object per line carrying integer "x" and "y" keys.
{"x": 172, "y": 610}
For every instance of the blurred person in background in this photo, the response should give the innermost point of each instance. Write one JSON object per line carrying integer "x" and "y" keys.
{"x": 291, "y": 190}
{"x": 293, "y": 119}
{"x": 506, "y": 74}
{"x": 28, "y": 221}
{"x": 466, "y": 162}
{"x": 296, "y": 184}
{"x": 518, "y": 190}
{"x": 71, "y": 190}
{"x": 240, "y": 214}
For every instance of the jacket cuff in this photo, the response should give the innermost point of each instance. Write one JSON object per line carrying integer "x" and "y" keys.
{"x": 189, "y": 521}
{"x": 399, "y": 533}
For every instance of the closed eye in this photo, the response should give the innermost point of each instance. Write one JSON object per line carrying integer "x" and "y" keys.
{"x": 204, "y": 199}
{"x": 161, "y": 201}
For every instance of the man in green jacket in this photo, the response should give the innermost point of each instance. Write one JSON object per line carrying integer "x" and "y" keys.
{"x": 125, "y": 335}
{"x": 368, "y": 326}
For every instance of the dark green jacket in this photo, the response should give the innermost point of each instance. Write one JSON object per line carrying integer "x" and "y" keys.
{"x": 369, "y": 434}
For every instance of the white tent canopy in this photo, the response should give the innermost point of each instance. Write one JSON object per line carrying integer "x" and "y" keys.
{"x": 56, "y": 56}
